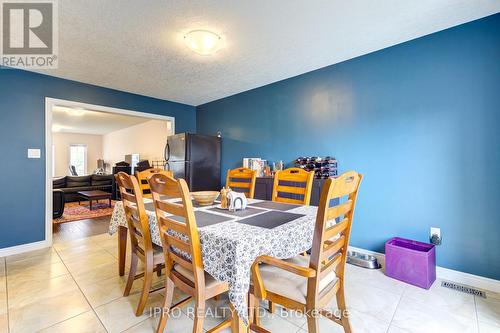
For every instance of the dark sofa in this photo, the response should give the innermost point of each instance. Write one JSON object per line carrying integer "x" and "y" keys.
{"x": 70, "y": 185}
{"x": 57, "y": 203}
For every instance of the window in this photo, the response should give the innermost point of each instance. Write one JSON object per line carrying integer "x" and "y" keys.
{"x": 78, "y": 158}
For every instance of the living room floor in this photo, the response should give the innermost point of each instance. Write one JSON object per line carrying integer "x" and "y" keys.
{"x": 80, "y": 229}
{"x": 74, "y": 286}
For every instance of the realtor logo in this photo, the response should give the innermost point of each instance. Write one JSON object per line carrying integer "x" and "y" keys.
{"x": 29, "y": 34}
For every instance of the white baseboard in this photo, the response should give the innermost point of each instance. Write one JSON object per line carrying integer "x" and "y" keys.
{"x": 467, "y": 279}
{"x": 8, "y": 251}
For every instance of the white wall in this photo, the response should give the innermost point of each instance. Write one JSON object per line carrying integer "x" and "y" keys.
{"x": 147, "y": 139}
{"x": 62, "y": 141}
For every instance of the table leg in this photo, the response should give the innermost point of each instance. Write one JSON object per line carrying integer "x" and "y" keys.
{"x": 122, "y": 248}
{"x": 109, "y": 202}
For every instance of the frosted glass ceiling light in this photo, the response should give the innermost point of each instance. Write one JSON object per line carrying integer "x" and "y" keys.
{"x": 203, "y": 42}
{"x": 59, "y": 128}
{"x": 76, "y": 112}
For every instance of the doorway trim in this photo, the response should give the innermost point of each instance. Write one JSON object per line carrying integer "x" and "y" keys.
{"x": 49, "y": 104}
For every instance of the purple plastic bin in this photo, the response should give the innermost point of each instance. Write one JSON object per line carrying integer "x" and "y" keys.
{"x": 411, "y": 262}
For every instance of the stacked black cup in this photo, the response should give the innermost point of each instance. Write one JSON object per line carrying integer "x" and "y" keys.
{"x": 323, "y": 167}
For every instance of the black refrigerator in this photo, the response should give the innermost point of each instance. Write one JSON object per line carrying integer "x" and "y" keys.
{"x": 196, "y": 158}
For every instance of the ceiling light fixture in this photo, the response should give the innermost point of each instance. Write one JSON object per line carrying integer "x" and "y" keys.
{"x": 203, "y": 42}
{"x": 76, "y": 112}
{"x": 59, "y": 128}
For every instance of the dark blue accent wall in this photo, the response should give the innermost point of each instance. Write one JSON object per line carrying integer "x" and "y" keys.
{"x": 22, "y": 126}
{"x": 421, "y": 121}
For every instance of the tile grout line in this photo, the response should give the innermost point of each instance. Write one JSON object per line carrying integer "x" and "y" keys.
{"x": 96, "y": 244}
{"x": 395, "y": 310}
{"x": 84, "y": 296}
{"x": 6, "y": 285}
{"x": 475, "y": 312}
{"x": 381, "y": 288}
{"x": 79, "y": 288}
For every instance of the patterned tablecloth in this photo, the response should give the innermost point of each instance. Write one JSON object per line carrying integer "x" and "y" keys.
{"x": 229, "y": 248}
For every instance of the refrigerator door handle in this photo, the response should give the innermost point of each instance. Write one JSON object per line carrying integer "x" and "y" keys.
{"x": 167, "y": 152}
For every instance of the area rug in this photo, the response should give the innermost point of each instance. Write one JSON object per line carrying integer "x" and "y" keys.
{"x": 75, "y": 212}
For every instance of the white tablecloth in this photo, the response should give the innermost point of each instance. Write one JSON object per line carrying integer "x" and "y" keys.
{"x": 229, "y": 248}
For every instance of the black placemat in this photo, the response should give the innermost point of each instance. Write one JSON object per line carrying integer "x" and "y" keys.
{"x": 195, "y": 205}
{"x": 275, "y": 205}
{"x": 239, "y": 213}
{"x": 151, "y": 207}
{"x": 204, "y": 218}
{"x": 270, "y": 219}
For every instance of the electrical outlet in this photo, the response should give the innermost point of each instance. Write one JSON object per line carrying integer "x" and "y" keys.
{"x": 435, "y": 237}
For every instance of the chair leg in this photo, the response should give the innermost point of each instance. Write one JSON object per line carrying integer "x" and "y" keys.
{"x": 199, "y": 316}
{"x": 342, "y": 307}
{"x": 251, "y": 308}
{"x": 148, "y": 278}
{"x": 158, "y": 270}
{"x": 165, "y": 311}
{"x": 312, "y": 322}
{"x": 131, "y": 274}
{"x": 271, "y": 307}
{"x": 256, "y": 310}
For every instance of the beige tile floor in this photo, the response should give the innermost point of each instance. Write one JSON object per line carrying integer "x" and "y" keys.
{"x": 74, "y": 287}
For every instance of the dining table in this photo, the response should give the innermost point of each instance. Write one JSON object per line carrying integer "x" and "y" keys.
{"x": 232, "y": 240}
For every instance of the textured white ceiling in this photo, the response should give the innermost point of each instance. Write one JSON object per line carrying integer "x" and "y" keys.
{"x": 91, "y": 121}
{"x": 136, "y": 46}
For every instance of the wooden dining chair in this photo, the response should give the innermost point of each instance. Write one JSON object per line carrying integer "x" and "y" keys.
{"x": 242, "y": 180}
{"x": 142, "y": 248}
{"x": 297, "y": 190}
{"x": 182, "y": 251}
{"x": 307, "y": 284}
{"x": 143, "y": 177}
{"x": 298, "y": 186}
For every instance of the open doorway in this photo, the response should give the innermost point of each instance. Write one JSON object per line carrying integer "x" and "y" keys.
{"x": 86, "y": 145}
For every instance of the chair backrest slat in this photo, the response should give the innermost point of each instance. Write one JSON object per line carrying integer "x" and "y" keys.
{"x": 290, "y": 189}
{"x": 128, "y": 197}
{"x": 178, "y": 243}
{"x": 330, "y": 265}
{"x": 331, "y": 238}
{"x": 184, "y": 262}
{"x": 295, "y": 178}
{"x": 336, "y": 229}
{"x": 135, "y": 213}
{"x": 179, "y": 227}
{"x": 325, "y": 296}
{"x": 333, "y": 247}
{"x": 234, "y": 181}
{"x": 143, "y": 177}
{"x": 339, "y": 210}
{"x": 171, "y": 208}
{"x": 241, "y": 185}
{"x": 181, "y": 243}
